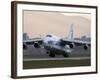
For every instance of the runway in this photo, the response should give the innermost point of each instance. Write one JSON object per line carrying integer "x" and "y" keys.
{"x": 38, "y": 58}
{"x": 46, "y": 59}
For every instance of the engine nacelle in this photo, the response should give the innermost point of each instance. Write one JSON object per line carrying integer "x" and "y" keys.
{"x": 24, "y": 46}
{"x": 72, "y": 45}
{"x": 86, "y": 47}
{"x": 36, "y": 45}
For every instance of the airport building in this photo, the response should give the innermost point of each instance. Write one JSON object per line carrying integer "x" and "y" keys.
{"x": 25, "y": 36}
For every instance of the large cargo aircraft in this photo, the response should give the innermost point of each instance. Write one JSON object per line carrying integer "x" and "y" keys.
{"x": 55, "y": 45}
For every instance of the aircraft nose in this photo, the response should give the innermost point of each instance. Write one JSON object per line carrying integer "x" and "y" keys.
{"x": 50, "y": 42}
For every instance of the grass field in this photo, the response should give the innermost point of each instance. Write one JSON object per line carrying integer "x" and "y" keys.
{"x": 55, "y": 63}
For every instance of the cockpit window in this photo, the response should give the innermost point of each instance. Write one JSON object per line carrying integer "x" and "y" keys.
{"x": 49, "y": 36}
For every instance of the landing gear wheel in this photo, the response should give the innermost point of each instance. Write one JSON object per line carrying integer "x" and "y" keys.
{"x": 47, "y": 52}
{"x": 52, "y": 55}
{"x": 65, "y": 55}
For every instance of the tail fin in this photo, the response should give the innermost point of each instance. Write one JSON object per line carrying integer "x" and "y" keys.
{"x": 71, "y": 33}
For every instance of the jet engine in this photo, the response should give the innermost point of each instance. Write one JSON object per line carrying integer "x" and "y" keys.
{"x": 86, "y": 47}
{"x": 36, "y": 45}
{"x": 72, "y": 45}
{"x": 24, "y": 46}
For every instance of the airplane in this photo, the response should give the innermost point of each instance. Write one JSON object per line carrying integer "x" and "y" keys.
{"x": 57, "y": 46}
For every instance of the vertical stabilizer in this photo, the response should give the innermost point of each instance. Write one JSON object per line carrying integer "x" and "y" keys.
{"x": 71, "y": 34}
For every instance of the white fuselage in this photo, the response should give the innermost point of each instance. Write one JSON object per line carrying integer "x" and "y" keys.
{"x": 52, "y": 42}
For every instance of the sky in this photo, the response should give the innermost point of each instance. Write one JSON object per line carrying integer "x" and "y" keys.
{"x": 88, "y": 16}
{"x": 38, "y": 23}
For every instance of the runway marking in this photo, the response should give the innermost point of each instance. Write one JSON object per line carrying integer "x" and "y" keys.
{"x": 43, "y": 59}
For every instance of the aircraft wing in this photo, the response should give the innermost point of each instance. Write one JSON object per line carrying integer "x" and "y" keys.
{"x": 32, "y": 41}
{"x": 76, "y": 42}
